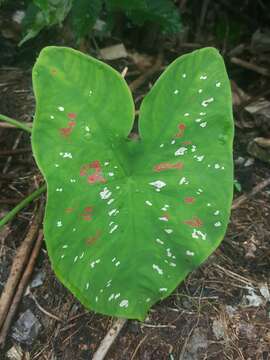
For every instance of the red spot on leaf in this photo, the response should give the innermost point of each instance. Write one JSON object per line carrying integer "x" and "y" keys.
{"x": 69, "y": 210}
{"x": 189, "y": 200}
{"x": 87, "y": 217}
{"x": 65, "y": 132}
{"x": 93, "y": 239}
{"x": 72, "y": 115}
{"x": 195, "y": 222}
{"x": 181, "y": 130}
{"x": 53, "y": 71}
{"x": 167, "y": 166}
{"x": 88, "y": 209}
{"x": 95, "y": 165}
{"x": 96, "y": 176}
{"x": 187, "y": 142}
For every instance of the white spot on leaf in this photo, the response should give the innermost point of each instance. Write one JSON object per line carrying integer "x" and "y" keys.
{"x": 206, "y": 102}
{"x": 196, "y": 234}
{"x": 124, "y": 303}
{"x": 158, "y": 269}
{"x": 59, "y": 223}
{"x": 158, "y": 184}
{"x": 181, "y": 151}
{"x": 105, "y": 193}
{"x": 113, "y": 228}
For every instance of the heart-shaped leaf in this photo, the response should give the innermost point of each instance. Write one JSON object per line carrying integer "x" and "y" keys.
{"x": 126, "y": 220}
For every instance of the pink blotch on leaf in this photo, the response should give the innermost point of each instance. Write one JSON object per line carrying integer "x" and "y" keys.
{"x": 87, "y": 217}
{"x": 167, "y": 166}
{"x": 69, "y": 210}
{"x": 181, "y": 130}
{"x": 53, "y": 71}
{"x": 189, "y": 200}
{"x": 166, "y": 216}
{"x": 92, "y": 239}
{"x": 96, "y": 176}
{"x": 72, "y": 115}
{"x": 187, "y": 143}
{"x": 96, "y": 165}
{"x": 195, "y": 222}
{"x": 65, "y": 132}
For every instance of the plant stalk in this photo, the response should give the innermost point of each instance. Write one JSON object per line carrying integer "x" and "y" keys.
{"x": 22, "y": 204}
{"x": 16, "y": 123}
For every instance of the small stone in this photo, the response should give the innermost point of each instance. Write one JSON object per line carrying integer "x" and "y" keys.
{"x": 38, "y": 280}
{"x": 26, "y": 328}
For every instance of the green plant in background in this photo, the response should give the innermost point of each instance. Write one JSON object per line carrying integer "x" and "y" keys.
{"x": 83, "y": 14}
{"x": 237, "y": 185}
{"x": 42, "y": 14}
{"x": 127, "y": 220}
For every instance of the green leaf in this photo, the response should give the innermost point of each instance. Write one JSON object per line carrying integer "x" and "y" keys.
{"x": 42, "y": 14}
{"x": 84, "y": 14}
{"x": 125, "y": 220}
{"x": 127, "y": 5}
{"x": 237, "y": 185}
{"x": 162, "y": 12}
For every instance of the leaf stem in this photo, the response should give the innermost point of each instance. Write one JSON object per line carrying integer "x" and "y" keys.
{"x": 22, "y": 204}
{"x": 16, "y": 123}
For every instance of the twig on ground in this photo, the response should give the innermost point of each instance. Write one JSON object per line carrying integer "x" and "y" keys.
{"x": 235, "y": 276}
{"x": 15, "y": 151}
{"x": 241, "y": 199}
{"x": 247, "y": 65}
{"x": 21, "y": 205}
{"x": 14, "y": 147}
{"x": 19, "y": 262}
{"x": 138, "y": 346}
{"x": 159, "y": 325}
{"x": 21, "y": 288}
{"x": 45, "y": 311}
{"x": 109, "y": 339}
{"x": 134, "y": 85}
{"x": 124, "y": 72}
{"x": 181, "y": 356}
{"x": 15, "y": 123}
{"x": 5, "y": 125}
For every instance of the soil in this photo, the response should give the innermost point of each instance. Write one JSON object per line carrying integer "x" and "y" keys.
{"x": 209, "y": 316}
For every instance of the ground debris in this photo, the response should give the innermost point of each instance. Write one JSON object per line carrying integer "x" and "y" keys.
{"x": 16, "y": 353}
{"x": 26, "y": 328}
{"x": 38, "y": 279}
{"x": 113, "y": 52}
{"x": 253, "y": 299}
{"x": 219, "y": 329}
{"x": 197, "y": 342}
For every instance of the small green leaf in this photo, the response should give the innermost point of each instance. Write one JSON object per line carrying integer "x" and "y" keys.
{"x": 162, "y": 12}
{"x": 125, "y": 220}
{"x": 237, "y": 185}
{"x": 84, "y": 14}
{"x": 42, "y": 14}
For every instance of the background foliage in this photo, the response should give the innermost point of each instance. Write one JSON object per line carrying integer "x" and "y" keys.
{"x": 83, "y": 14}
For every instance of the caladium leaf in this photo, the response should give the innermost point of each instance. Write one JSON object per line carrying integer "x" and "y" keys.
{"x": 126, "y": 220}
